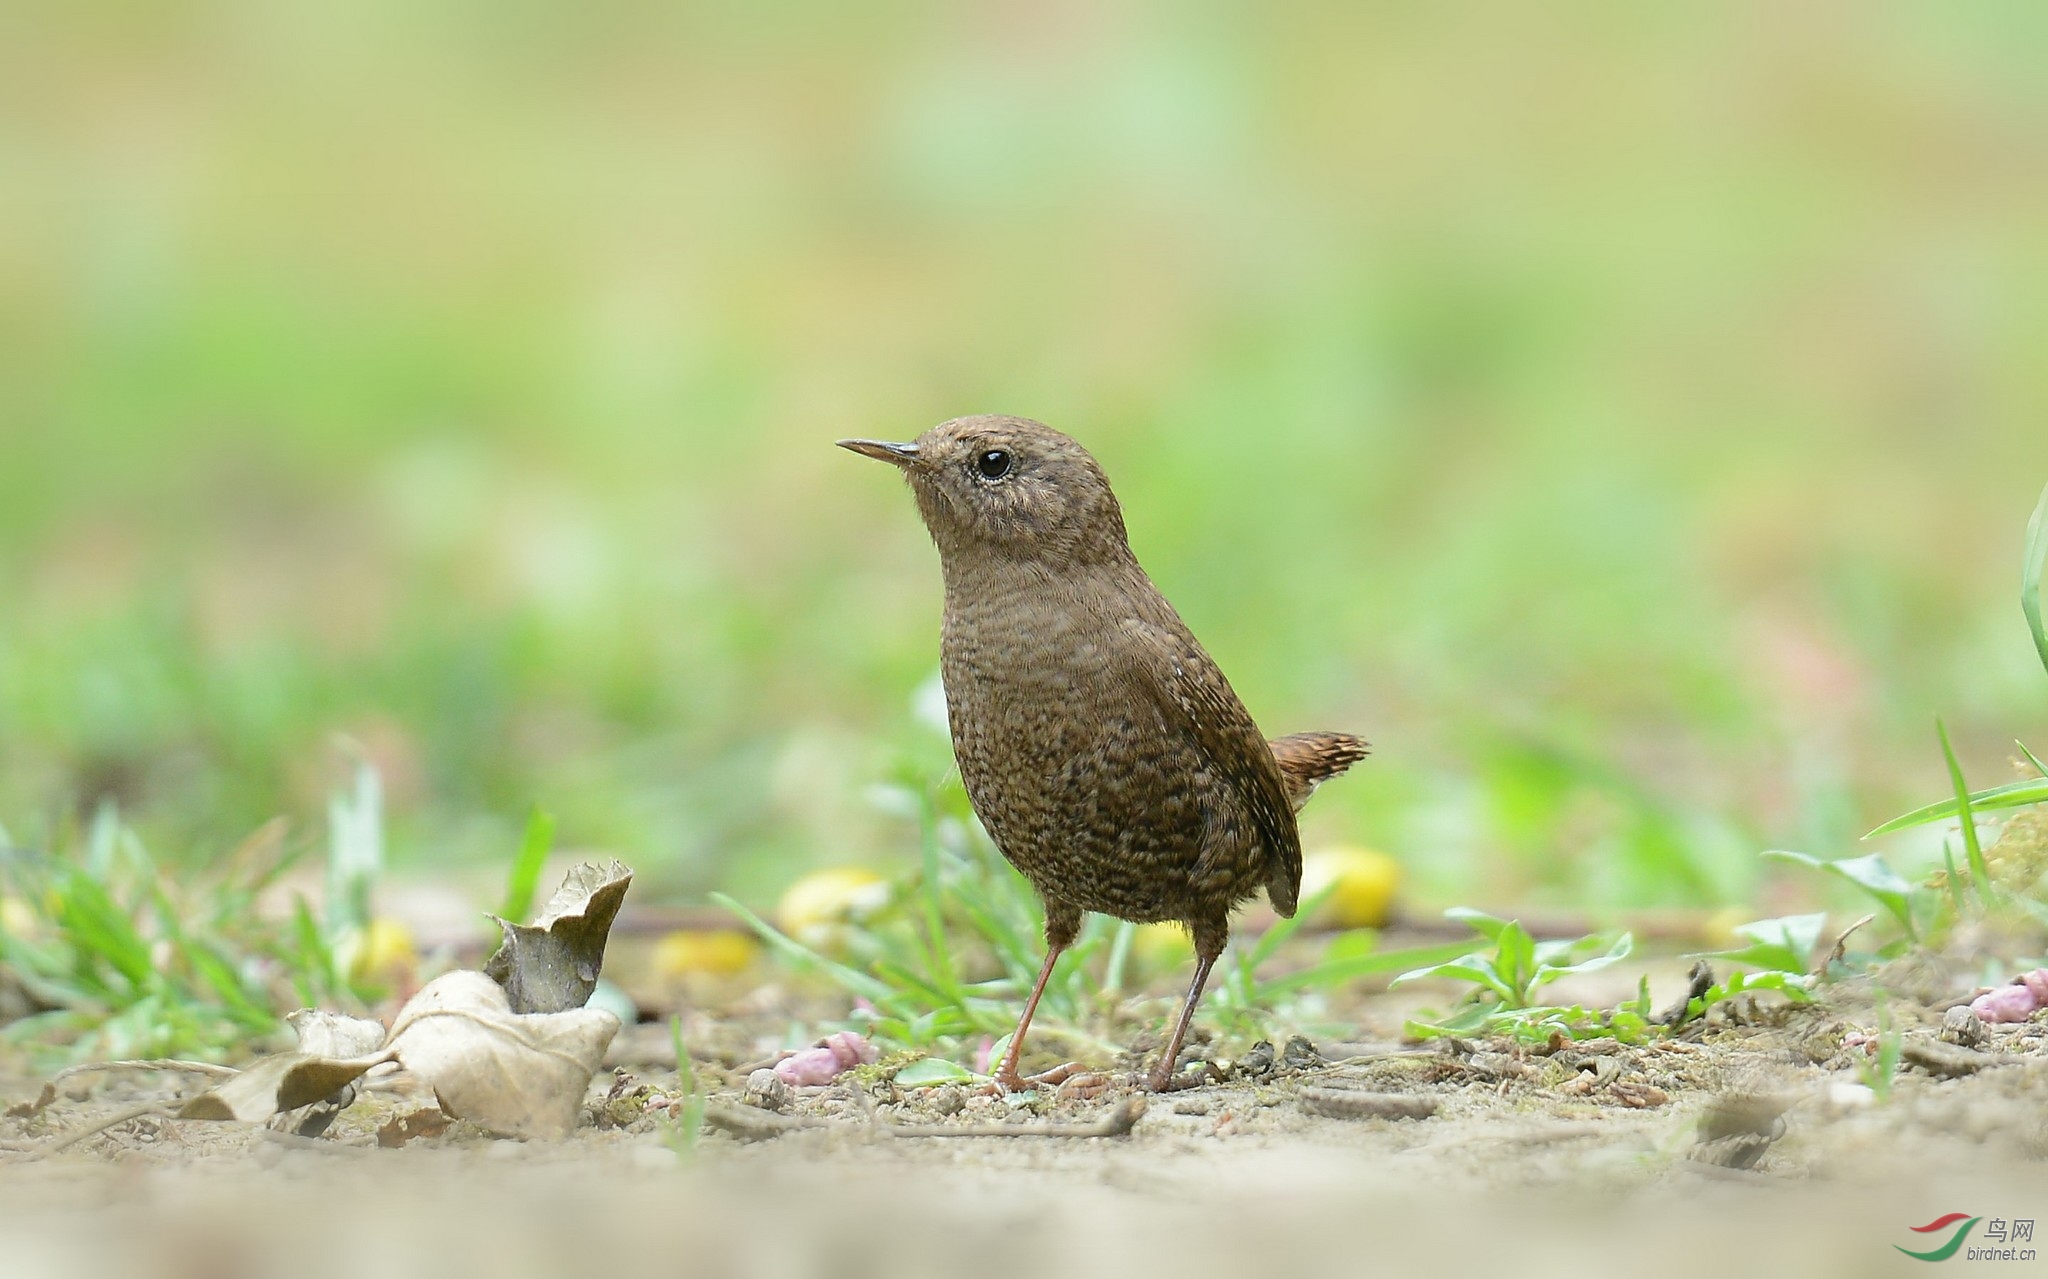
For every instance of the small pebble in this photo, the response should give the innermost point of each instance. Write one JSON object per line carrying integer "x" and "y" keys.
{"x": 1258, "y": 1063}
{"x": 1299, "y": 1054}
{"x": 1962, "y": 1027}
{"x": 766, "y": 1090}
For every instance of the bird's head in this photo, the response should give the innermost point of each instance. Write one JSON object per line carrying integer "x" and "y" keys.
{"x": 1010, "y": 488}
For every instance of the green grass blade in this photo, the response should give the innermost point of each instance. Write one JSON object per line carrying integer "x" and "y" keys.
{"x": 1119, "y": 958}
{"x": 100, "y": 928}
{"x": 801, "y": 956}
{"x": 2033, "y": 790}
{"x": 1954, "y": 882}
{"x": 941, "y": 957}
{"x": 2030, "y": 578}
{"x": 1274, "y": 938}
{"x": 215, "y": 970}
{"x": 523, "y": 884}
{"x": 2039, "y": 767}
{"x": 313, "y": 976}
{"x": 1330, "y": 972}
{"x": 1972, "y": 849}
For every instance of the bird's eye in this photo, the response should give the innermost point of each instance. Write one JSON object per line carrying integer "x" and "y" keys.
{"x": 992, "y": 465}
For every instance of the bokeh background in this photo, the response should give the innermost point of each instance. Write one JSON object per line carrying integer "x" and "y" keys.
{"x": 1626, "y": 416}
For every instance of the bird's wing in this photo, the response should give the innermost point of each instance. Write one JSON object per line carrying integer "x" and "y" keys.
{"x": 1192, "y": 692}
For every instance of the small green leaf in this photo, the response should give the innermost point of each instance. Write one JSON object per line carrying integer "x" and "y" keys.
{"x": 1479, "y": 921}
{"x": 1641, "y": 1006}
{"x": 1611, "y": 950}
{"x": 1516, "y": 963}
{"x": 1871, "y": 874}
{"x": 1785, "y": 944}
{"x": 1477, "y": 969}
{"x": 931, "y": 1072}
{"x": 999, "y": 1050}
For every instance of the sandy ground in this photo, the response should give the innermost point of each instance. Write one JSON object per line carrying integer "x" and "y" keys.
{"x": 1752, "y": 1144}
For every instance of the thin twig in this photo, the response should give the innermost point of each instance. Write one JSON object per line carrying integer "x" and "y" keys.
{"x": 49, "y": 1093}
{"x": 751, "y": 1124}
{"x": 114, "y": 1120}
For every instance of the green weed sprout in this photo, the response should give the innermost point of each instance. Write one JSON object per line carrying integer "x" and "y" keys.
{"x": 952, "y": 956}
{"x": 683, "y": 1132}
{"x": 1246, "y": 1005}
{"x": 953, "y": 953}
{"x": 1778, "y": 950}
{"x": 1915, "y": 909}
{"x": 1506, "y": 977}
{"x": 1878, "y": 1073}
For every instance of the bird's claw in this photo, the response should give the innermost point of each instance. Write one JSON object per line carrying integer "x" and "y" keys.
{"x": 1070, "y": 1078}
{"x": 1202, "y": 1073}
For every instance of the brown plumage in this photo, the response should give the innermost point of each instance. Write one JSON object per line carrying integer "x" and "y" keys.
{"x": 1101, "y": 747}
{"x": 1307, "y": 760}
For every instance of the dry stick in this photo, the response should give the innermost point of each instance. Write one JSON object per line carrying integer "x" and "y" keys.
{"x": 1837, "y": 951}
{"x": 114, "y": 1120}
{"x": 49, "y": 1093}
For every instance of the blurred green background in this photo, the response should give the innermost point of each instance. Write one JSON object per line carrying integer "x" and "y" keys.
{"x": 1625, "y": 416}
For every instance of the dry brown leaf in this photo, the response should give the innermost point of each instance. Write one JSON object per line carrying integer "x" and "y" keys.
{"x": 520, "y": 1074}
{"x": 552, "y": 965}
{"x": 284, "y": 1082}
{"x": 412, "y": 1126}
{"x": 325, "y": 1034}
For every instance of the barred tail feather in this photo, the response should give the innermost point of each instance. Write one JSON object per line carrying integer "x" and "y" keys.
{"x": 1307, "y": 760}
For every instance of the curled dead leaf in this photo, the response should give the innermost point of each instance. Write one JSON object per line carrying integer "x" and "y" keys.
{"x": 325, "y": 1034}
{"x": 272, "y": 1085}
{"x": 552, "y": 965}
{"x": 514, "y": 1073}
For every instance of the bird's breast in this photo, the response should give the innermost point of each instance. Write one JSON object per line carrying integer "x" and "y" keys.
{"x": 1074, "y": 768}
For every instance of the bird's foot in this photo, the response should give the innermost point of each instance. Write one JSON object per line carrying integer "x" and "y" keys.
{"x": 1070, "y": 1078}
{"x": 1162, "y": 1080}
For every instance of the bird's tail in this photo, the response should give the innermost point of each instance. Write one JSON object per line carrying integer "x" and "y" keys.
{"x": 1307, "y": 760}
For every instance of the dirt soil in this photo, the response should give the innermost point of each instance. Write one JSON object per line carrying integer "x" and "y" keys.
{"x": 1765, "y": 1139}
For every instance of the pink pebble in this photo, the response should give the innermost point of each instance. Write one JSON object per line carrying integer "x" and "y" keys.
{"x": 821, "y": 1065}
{"x": 2016, "y": 1001}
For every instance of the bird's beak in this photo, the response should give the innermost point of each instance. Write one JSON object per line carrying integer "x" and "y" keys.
{"x": 883, "y": 451}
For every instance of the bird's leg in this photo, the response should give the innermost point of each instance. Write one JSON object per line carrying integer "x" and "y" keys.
{"x": 1061, "y": 926}
{"x": 1209, "y": 943}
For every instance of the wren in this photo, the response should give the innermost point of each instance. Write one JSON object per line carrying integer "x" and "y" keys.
{"x": 1099, "y": 744}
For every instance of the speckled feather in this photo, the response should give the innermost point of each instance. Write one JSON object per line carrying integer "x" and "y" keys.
{"x": 1107, "y": 755}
